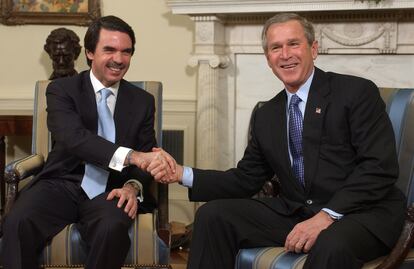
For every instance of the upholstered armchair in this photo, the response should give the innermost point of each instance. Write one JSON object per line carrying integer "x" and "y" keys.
{"x": 149, "y": 234}
{"x": 400, "y": 108}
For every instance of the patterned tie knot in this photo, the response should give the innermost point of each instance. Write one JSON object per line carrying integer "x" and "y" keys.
{"x": 295, "y": 100}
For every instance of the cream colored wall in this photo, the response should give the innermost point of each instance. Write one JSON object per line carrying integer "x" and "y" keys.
{"x": 164, "y": 45}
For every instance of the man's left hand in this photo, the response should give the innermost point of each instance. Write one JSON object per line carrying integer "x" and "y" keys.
{"x": 126, "y": 194}
{"x": 304, "y": 234}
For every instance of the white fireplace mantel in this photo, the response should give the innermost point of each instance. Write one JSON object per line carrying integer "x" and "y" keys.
{"x": 270, "y": 6}
{"x": 366, "y": 39}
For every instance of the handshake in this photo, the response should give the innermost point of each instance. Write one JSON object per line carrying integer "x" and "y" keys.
{"x": 159, "y": 163}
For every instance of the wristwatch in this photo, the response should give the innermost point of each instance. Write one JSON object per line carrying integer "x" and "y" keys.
{"x": 128, "y": 157}
{"x": 137, "y": 186}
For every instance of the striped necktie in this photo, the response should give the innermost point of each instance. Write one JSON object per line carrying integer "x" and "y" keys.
{"x": 295, "y": 138}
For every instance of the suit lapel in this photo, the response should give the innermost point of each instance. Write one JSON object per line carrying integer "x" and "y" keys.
{"x": 87, "y": 105}
{"x": 316, "y": 107}
{"x": 123, "y": 115}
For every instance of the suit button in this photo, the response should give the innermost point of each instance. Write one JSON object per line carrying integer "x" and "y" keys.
{"x": 309, "y": 202}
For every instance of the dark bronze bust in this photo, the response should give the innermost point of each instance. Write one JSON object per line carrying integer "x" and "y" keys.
{"x": 63, "y": 48}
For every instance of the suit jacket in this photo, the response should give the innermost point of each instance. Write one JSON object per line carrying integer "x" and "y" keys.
{"x": 349, "y": 156}
{"x": 73, "y": 122}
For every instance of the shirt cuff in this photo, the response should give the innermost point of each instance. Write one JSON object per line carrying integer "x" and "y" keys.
{"x": 188, "y": 177}
{"x": 333, "y": 214}
{"x": 118, "y": 159}
{"x": 140, "y": 195}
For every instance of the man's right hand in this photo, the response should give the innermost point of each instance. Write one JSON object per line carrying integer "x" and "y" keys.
{"x": 158, "y": 162}
{"x": 174, "y": 177}
{"x": 166, "y": 177}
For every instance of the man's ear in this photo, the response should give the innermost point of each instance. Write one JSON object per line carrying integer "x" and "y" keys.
{"x": 267, "y": 59}
{"x": 89, "y": 54}
{"x": 314, "y": 48}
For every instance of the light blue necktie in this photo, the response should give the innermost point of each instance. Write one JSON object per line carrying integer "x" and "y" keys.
{"x": 295, "y": 138}
{"x": 95, "y": 178}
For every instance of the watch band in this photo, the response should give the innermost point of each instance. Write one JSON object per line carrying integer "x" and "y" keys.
{"x": 138, "y": 187}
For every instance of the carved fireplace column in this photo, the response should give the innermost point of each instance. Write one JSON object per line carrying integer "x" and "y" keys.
{"x": 210, "y": 59}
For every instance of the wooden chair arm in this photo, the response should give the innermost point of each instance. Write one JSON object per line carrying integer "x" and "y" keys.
{"x": 17, "y": 171}
{"x": 163, "y": 213}
{"x": 165, "y": 235}
{"x": 403, "y": 245}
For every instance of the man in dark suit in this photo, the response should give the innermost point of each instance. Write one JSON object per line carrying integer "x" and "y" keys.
{"x": 328, "y": 139}
{"x": 101, "y": 125}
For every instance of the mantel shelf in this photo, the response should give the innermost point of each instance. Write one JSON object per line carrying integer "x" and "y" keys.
{"x": 200, "y": 7}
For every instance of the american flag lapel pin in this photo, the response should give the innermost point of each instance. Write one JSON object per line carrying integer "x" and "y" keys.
{"x": 318, "y": 110}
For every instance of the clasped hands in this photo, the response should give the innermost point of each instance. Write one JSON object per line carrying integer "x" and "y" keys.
{"x": 159, "y": 163}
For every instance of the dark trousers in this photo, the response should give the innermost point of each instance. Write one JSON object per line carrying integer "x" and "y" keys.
{"x": 45, "y": 208}
{"x": 222, "y": 227}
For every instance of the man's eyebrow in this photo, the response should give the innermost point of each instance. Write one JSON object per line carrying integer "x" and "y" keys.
{"x": 108, "y": 48}
{"x": 293, "y": 40}
{"x": 288, "y": 41}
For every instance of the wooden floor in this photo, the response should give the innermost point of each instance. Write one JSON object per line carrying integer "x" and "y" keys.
{"x": 179, "y": 259}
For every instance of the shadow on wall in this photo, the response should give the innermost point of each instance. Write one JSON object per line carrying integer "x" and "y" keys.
{"x": 182, "y": 21}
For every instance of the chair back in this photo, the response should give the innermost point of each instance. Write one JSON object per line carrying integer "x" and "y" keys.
{"x": 41, "y": 138}
{"x": 252, "y": 117}
{"x": 400, "y": 108}
{"x": 154, "y": 88}
{"x": 159, "y": 191}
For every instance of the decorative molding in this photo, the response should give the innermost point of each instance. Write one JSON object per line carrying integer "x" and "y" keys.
{"x": 258, "y": 11}
{"x": 181, "y": 105}
{"x": 15, "y": 106}
{"x": 205, "y": 18}
{"x": 323, "y": 16}
{"x": 208, "y": 28}
{"x": 19, "y": 106}
{"x": 351, "y": 40}
{"x": 214, "y": 61}
{"x": 193, "y": 7}
{"x": 204, "y": 33}
{"x": 390, "y": 15}
{"x": 355, "y": 38}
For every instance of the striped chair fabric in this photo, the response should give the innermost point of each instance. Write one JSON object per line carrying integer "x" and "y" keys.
{"x": 278, "y": 258}
{"x": 68, "y": 249}
{"x": 400, "y": 108}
